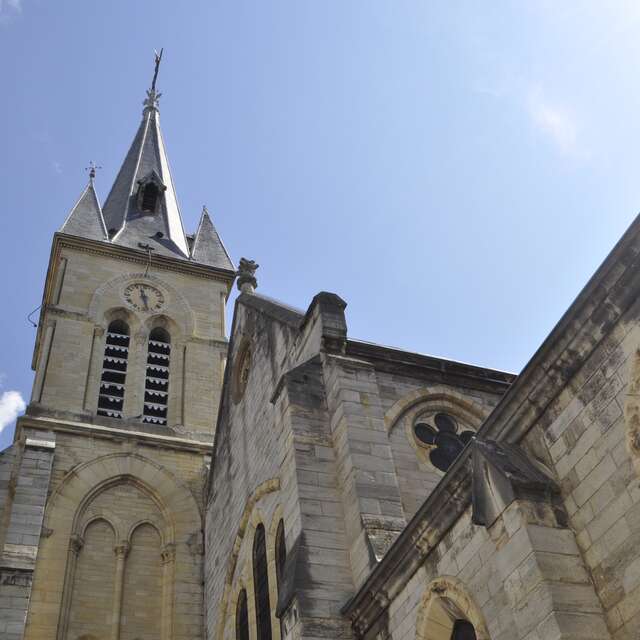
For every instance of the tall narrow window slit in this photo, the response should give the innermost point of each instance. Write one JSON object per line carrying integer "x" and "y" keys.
{"x": 114, "y": 370}
{"x": 261, "y": 585}
{"x": 156, "y": 389}
{"x": 281, "y": 555}
{"x": 242, "y": 617}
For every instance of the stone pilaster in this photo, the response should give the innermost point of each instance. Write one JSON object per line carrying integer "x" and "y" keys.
{"x": 23, "y": 515}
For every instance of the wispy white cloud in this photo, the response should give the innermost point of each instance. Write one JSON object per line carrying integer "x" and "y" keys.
{"x": 9, "y": 9}
{"x": 553, "y": 120}
{"x": 11, "y": 406}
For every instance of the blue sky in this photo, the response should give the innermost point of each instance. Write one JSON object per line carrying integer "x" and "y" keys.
{"x": 455, "y": 171}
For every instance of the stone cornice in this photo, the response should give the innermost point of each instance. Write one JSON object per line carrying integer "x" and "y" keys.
{"x": 102, "y": 431}
{"x": 607, "y": 296}
{"x": 417, "y": 365}
{"x": 128, "y": 254}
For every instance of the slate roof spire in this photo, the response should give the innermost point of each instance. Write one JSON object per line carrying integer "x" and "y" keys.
{"x": 208, "y": 247}
{"x": 85, "y": 219}
{"x": 142, "y": 206}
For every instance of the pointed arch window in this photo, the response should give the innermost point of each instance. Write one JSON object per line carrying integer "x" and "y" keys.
{"x": 242, "y": 617}
{"x": 281, "y": 555}
{"x": 261, "y": 585}
{"x": 463, "y": 630}
{"x": 114, "y": 370}
{"x": 156, "y": 388}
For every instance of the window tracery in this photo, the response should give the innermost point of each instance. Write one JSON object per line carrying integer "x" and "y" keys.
{"x": 443, "y": 436}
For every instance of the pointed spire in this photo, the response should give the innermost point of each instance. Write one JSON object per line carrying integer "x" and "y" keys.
{"x": 142, "y": 206}
{"x": 207, "y": 245}
{"x": 85, "y": 219}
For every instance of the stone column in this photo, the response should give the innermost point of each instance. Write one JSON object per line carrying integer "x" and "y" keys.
{"x": 168, "y": 580}
{"x": 76, "y": 543}
{"x": 136, "y": 371}
{"x": 121, "y": 551}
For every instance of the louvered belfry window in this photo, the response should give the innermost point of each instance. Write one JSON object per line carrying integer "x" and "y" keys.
{"x": 150, "y": 198}
{"x": 261, "y": 585}
{"x": 156, "y": 389}
{"x": 114, "y": 370}
{"x": 242, "y": 617}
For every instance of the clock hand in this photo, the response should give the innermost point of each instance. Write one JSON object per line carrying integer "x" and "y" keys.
{"x": 145, "y": 299}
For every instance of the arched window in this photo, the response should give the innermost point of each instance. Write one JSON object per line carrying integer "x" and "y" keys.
{"x": 463, "y": 630}
{"x": 156, "y": 388}
{"x": 114, "y": 370}
{"x": 281, "y": 554}
{"x": 261, "y": 585}
{"x": 449, "y": 612}
{"x": 242, "y": 617}
{"x": 149, "y": 197}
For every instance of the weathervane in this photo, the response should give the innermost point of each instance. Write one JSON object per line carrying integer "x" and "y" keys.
{"x": 158, "y": 58}
{"x": 92, "y": 168}
{"x": 151, "y": 101}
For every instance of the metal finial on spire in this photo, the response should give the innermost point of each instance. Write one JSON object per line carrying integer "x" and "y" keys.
{"x": 151, "y": 102}
{"x": 92, "y": 168}
{"x": 158, "y": 58}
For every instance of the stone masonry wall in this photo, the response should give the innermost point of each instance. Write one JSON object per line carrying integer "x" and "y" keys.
{"x": 92, "y": 476}
{"x": 22, "y": 523}
{"x": 73, "y": 338}
{"x": 587, "y": 436}
{"x": 578, "y": 579}
{"x": 514, "y": 581}
{"x": 251, "y": 480}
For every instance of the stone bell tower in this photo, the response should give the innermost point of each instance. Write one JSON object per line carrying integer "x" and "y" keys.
{"x": 101, "y": 494}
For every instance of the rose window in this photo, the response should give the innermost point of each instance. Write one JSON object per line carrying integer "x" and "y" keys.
{"x": 441, "y": 434}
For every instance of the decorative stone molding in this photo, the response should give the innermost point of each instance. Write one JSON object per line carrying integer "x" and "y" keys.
{"x": 168, "y": 553}
{"x": 247, "y": 282}
{"x": 503, "y": 473}
{"x": 76, "y": 542}
{"x": 446, "y": 600}
{"x": 16, "y": 577}
{"x": 437, "y": 398}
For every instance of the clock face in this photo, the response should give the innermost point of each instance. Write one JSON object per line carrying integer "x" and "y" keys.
{"x": 143, "y": 297}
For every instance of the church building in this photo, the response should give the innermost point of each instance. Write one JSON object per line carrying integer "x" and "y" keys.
{"x": 290, "y": 482}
